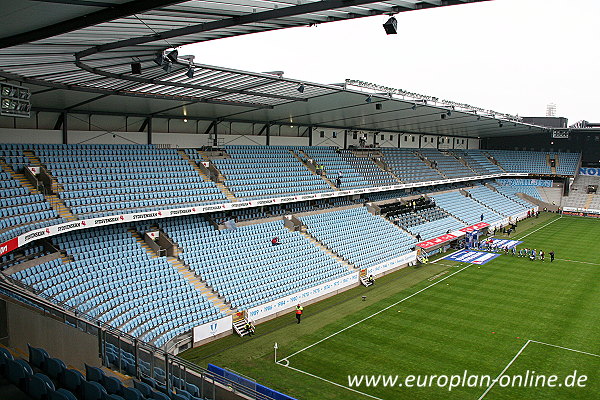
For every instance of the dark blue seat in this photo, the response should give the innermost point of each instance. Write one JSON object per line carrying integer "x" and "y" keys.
{"x": 61, "y": 394}
{"x": 17, "y": 374}
{"x": 149, "y": 381}
{"x": 54, "y": 368}
{"x": 72, "y": 379}
{"x": 47, "y": 380}
{"x": 4, "y": 357}
{"x": 37, "y": 388}
{"x": 132, "y": 394}
{"x": 25, "y": 365}
{"x": 192, "y": 389}
{"x": 94, "y": 374}
{"x": 179, "y": 396}
{"x": 144, "y": 388}
{"x": 93, "y": 391}
{"x": 114, "y": 397}
{"x": 159, "y": 396}
{"x": 37, "y": 356}
{"x": 113, "y": 385}
{"x": 186, "y": 395}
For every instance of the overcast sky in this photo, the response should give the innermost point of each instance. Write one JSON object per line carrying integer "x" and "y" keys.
{"x": 512, "y": 56}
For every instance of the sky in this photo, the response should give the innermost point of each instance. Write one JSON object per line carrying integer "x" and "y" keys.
{"x": 511, "y": 56}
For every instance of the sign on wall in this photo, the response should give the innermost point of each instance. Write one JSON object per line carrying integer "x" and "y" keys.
{"x": 213, "y": 328}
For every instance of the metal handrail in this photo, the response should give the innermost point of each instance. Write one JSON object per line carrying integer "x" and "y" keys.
{"x": 47, "y": 304}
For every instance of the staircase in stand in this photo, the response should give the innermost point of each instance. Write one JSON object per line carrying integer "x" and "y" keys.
{"x": 200, "y": 285}
{"x": 588, "y": 201}
{"x": 327, "y": 250}
{"x": 58, "y": 204}
{"x": 239, "y": 326}
{"x": 183, "y": 155}
{"x": 364, "y": 279}
{"x": 311, "y": 168}
{"x": 429, "y": 163}
{"x": 224, "y": 189}
{"x": 493, "y": 161}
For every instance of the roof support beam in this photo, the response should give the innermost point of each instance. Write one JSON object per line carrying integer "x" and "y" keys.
{"x": 284, "y": 12}
{"x": 108, "y": 14}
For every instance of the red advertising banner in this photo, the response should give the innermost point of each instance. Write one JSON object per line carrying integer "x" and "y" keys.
{"x": 475, "y": 227}
{"x": 9, "y": 246}
{"x": 436, "y": 241}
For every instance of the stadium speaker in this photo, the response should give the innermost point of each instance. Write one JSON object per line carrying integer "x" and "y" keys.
{"x": 378, "y": 106}
{"x": 391, "y": 26}
{"x": 136, "y": 68}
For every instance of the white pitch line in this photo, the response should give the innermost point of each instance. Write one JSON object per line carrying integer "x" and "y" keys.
{"x": 541, "y": 227}
{"x": 566, "y": 348}
{"x": 328, "y": 381}
{"x": 504, "y": 370}
{"x": 374, "y": 314}
{"x": 575, "y": 261}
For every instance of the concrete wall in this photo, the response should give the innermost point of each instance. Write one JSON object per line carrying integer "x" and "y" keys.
{"x": 228, "y": 134}
{"x": 30, "y": 326}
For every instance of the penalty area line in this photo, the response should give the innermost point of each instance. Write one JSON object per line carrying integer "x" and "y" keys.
{"x": 327, "y": 380}
{"x": 541, "y": 227}
{"x": 565, "y": 348}
{"x": 504, "y": 370}
{"x": 374, "y": 314}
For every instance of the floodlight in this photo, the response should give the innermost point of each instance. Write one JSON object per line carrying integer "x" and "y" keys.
{"x": 168, "y": 67}
{"x": 160, "y": 59}
{"x": 449, "y": 113}
{"x": 500, "y": 124}
{"x": 391, "y": 26}
{"x": 173, "y": 55}
{"x": 301, "y": 88}
{"x": 369, "y": 99}
{"x": 414, "y": 107}
{"x": 190, "y": 72}
{"x": 136, "y": 68}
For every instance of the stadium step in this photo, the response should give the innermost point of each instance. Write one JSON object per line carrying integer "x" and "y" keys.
{"x": 19, "y": 177}
{"x": 311, "y": 168}
{"x": 461, "y": 160}
{"x": 183, "y": 155}
{"x": 56, "y": 187}
{"x": 430, "y": 164}
{"x": 364, "y": 280}
{"x": 327, "y": 250}
{"x": 200, "y": 285}
{"x": 226, "y": 191}
{"x": 588, "y": 201}
{"x": 239, "y": 326}
{"x": 59, "y": 206}
{"x": 493, "y": 161}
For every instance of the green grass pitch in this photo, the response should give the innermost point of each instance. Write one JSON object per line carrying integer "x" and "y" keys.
{"x": 512, "y": 315}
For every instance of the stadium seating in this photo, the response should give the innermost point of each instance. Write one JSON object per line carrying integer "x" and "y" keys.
{"x": 466, "y": 209}
{"x": 20, "y": 209}
{"x": 478, "y": 161}
{"x": 254, "y": 172}
{"x": 567, "y": 163}
{"x": 496, "y": 201}
{"x": 100, "y": 180}
{"x": 43, "y": 377}
{"x": 142, "y": 295}
{"x": 368, "y": 169}
{"x": 359, "y": 237}
{"x": 534, "y": 162}
{"x": 407, "y": 166}
{"x": 243, "y": 266}
{"x": 335, "y": 163}
{"x": 447, "y": 164}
